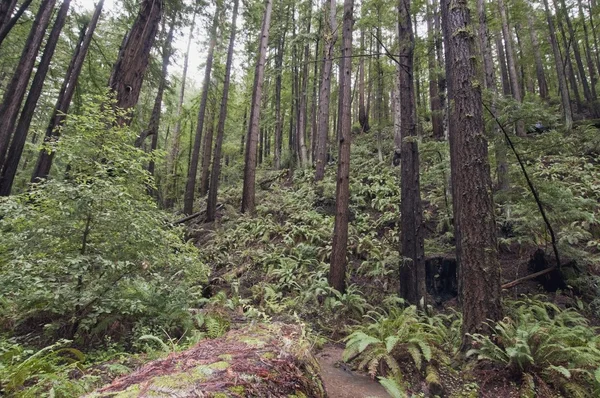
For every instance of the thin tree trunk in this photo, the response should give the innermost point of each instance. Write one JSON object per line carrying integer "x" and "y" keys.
{"x": 337, "y": 270}
{"x": 174, "y": 153}
{"x": 207, "y": 151}
{"x": 190, "y": 186}
{"x": 363, "y": 116}
{"x": 434, "y": 95}
{"x": 128, "y": 72}
{"x": 590, "y": 9}
{"x": 560, "y": 71}
{"x": 63, "y": 102}
{"x": 512, "y": 65}
{"x": 15, "y": 91}
{"x": 313, "y": 110}
{"x": 7, "y": 19}
{"x": 588, "y": 56}
{"x": 325, "y": 91}
{"x": 503, "y": 69}
{"x": 301, "y": 131}
{"x": 475, "y": 228}
{"x": 412, "y": 267}
{"x": 154, "y": 124}
{"x": 11, "y": 164}
{"x": 539, "y": 67}
{"x": 248, "y": 193}
{"x": 278, "y": 82}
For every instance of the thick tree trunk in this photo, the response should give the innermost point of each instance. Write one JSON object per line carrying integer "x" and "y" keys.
{"x": 174, "y": 152}
{"x": 190, "y": 186}
{"x": 337, "y": 269}
{"x": 511, "y": 62}
{"x": 15, "y": 91}
{"x": 412, "y": 267}
{"x": 63, "y": 102}
{"x": 539, "y": 66}
{"x": 363, "y": 116}
{"x": 128, "y": 72}
{"x": 560, "y": 71}
{"x": 11, "y": 163}
{"x": 475, "y": 228}
{"x": 248, "y": 193}
{"x": 7, "y": 19}
{"x": 437, "y": 121}
{"x": 325, "y": 91}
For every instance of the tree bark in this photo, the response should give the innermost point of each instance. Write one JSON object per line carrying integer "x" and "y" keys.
{"x": 248, "y": 193}
{"x": 278, "y": 82}
{"x": 7, "y": 20}
{"x": 303, "y": 105}
{"x": 475, "y": 228}
{"x": 337, "y": 269}
{"x": 207, "y": 152}
{"x": 505, "y": 80}
{"x": 325, "y": 91}
{"x": 560, "y": 71}
{"x": 128, "y": 72}
{"x": 588, "y": 56}
{"x": 412, "y": 267}
{"x": 190, "y": 186}
{"x": 63, "y": 102}
{"x": 15, "y": 91}
{"x": 11, "y": 164}
{"x": 437, "y": 121}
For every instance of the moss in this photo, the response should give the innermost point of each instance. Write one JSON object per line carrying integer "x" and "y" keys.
{"x": 268, "y": 355}
{"x": 221, "y": 365}
{"x": 433, "y": 380}
{"x": 226, "y": 357}
{"x": 237, "y": 390}
{"x": 253, "y": 342}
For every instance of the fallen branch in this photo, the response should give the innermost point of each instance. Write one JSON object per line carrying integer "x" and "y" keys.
{"x": 528, "y": 277}
{"x": 192, "y": 216}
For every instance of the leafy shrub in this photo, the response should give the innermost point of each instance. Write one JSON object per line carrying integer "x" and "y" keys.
{"x": 90, "y": 254}
{"x": 541, "y": 339}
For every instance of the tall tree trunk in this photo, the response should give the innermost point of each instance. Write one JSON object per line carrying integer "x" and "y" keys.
{"x": 63, "y": 102}
{"x": 434, "y": 95}
{"x": 587, "y": 93}
{"x": 190, "y": 186}
{"x": 539, "y": 66}
{"x": 588, "y": 56}
{"x": 7, "y": 19}
{"x": 503, "y": 69}
{"x": 512, "y": 65}
{"x": 207, "y": 152}
{"x": 560, "y": 71}
{"x": 337, "y": 269}
{"x": 128, "y": 72}
{"x": 325, "y": 91}
{"x": 248, "y": 193}
{"x": 15, "y": 91}
{"x": 154, "y": 124}
{"x": 590, "y": 10}
{"x": 363, "y": 116}
{"x": 412, "y": 267}
{"x": 313, "y": 110}
{"x": 475, "y": 228}
{"x": 301, "y": 131}
{"x": 441, "y": 78}
{"x": 174, "y": 153}
{"x": 11, "y": 164}
{"x": 278, "y": 82}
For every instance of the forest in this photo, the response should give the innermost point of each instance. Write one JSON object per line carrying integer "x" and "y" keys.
{"x": 259, "y": 198}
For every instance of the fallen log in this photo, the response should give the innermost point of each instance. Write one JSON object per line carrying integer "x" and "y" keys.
{"x": 261, "y": 360}
{"x": 528, "y": 277}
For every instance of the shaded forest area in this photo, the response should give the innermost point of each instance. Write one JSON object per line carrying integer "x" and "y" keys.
{"x": 299, "y": 199}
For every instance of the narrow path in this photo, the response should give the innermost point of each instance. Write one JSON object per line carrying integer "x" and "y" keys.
{"x": 341, "y": 382}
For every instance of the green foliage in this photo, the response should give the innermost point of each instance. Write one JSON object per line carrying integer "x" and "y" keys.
{"x": 90, "y": 254}
{"x": 540, "y": 338}
{"x": 400, "y": 333}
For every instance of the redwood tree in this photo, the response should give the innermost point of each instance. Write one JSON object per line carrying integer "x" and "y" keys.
{"x": 211, "y": 204}
{"x": 474, "y": 224}
{"x": 15, "y": 91}
{"x": 337, "y": 269}
{"x": 248, "y": 193}
{"x": 63, "y": 102}
{"x": 412, "y": 269}
{"x": 128, "y": 72}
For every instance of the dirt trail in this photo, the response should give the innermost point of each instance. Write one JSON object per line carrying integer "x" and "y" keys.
{"x": 342, "y": 382}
